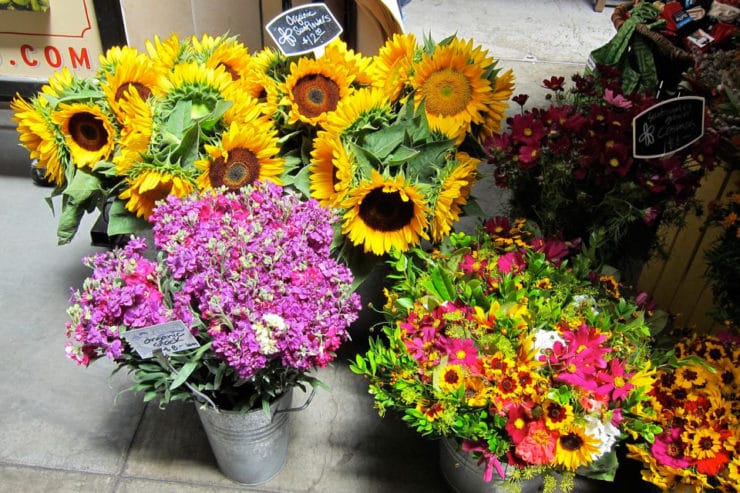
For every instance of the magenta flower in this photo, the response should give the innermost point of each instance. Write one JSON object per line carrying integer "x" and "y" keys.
{"x": 668, "y": 449}
{"x": 616, "y": 99}
{"x": 462, "y": 352}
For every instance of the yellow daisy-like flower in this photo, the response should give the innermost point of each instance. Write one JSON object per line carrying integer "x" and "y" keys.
{"x": 248, "y": 152}
{"x": 127, "y": 70}
{"x": 337, "y": 53}
{"x": 313, "y": 89}
{"x": 150, "y": 186}
{"x": 330, "y": 171}
{"x": 450, "y": 87}
{"x": 244, "y": 108}
{"x": 390, "y": 69}
{"x": 261, "y": 73}
{"x": 453, "y": 194}
{"x": 40, "y": 136}
{"x": 88, "y": 132}
{"x": 385, "y": 213}
{"x": 575, "y": 448}
{"x": 166, "y": 53}
{"x": 451, "y": 378}
{"x": 689, "y": 376}
{"x": 702, "y": 442}
{"x": 136, "y": 132}
{"x": 557, "y": 416}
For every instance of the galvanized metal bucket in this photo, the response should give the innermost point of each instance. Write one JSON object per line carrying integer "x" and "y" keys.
{"x": 251, "y": 447}
{"x": 464, "y": 475}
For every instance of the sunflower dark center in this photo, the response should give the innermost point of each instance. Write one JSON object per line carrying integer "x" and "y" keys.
{"x": 242, "y": 168}
{"x": 230, "y": 70}
{"x": 316, "y": 94}
{"x": 87, "y": 131}
{"x": 571, "y": 441}
{"x": 386, "y": 211}
{"x": 143, "y": 90}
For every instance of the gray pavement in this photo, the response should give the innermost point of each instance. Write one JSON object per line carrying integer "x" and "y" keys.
{"x": 69, "y": 429}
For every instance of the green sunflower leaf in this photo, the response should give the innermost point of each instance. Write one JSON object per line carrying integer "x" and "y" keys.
{"x": 385, "y": 141}
{"x": 122, "y": 222}
{"x": 82, "y": 195}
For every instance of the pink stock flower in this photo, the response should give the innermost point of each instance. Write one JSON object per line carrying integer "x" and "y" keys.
{"x": 616, "y": 99}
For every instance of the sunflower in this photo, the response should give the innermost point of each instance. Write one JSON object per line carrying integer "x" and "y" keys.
{"x": 390, "y": 69}
{"x": 337, "y": 53}
{"x": 456, "y": 183}
{"x": 60, "y": 83}
{"x": 125, "y": 69}
{"x": 265, "y": 67}
{"x": 575, "y": 448}
{"x": 193, "y": 82}
{"x": 363, "y": 109}
{"x": 244, "y": 108}
{"x": 136, "y": 132}
{"x": 330, "y": 170}
{"x": 150, "y": 186}
{"x": 166, "y": 53}
{"x": 385, "y": 213}
{"x": 451, "y": 87}
{"x": 502, "y": 90}
{"x": 88, "y": 132}
{"x": 248, "y": 152}
{"x": 228, "y": 53}
{"x": 41, "y": 137}
{"x": 312, "y": 89}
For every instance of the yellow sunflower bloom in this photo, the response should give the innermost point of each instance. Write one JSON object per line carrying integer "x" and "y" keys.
{"x": 136, "y": 132}
{"x": 194, "y": 82}
{"x": 166, "y": 53}
{"x": 390, "y": 69}
{"x": 312, "y": 89}
{"x": 456, "y": 185}
{"x": 244, "y": 108}
{"x": 125, "y": 69}
{"x": 88, "y": 132}
{"x": 359, "y": 107}
{"x": 230, "y": 54}
{"x": 59, "y": 83}
{"x": 150, "y": 186}
{"x": 450, "y": 87}
{"x": 575, "y": 448}
{"x": 494, "y": 116}
{"x": 330, "y": 171}
{"x": 385, "y": 213}
{"x": 40, "y": 136}
{"x": 337, "y": 53}
{"x": 248, "y": 152}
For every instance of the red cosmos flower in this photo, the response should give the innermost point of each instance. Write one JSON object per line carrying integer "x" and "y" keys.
{"x": 516, "y": 425}
{"x": 511, "y": 262}
{"x": 471, "y": 265}
{"x": 617, "y": 158}
{"x": 520, "y": 99}
{"x": 554, "y": 83}
{"x": 498, "y": 226}
{"x": 555, "y": 250}
{"x": 528, "y": 155}
{"x": 527, "y": 129}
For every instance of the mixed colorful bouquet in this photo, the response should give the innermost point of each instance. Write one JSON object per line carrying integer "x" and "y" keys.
{"x": 392, "y": 142}
{"x": 250, "y": 276}
{"x": 571, "y": 169}
{"x": 521, "y": 354}
{"x": 695, "y": 407}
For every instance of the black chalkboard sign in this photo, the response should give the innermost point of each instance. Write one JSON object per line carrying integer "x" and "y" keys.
{"x": 304, "y": 29}
{"x": 668, "y": 127}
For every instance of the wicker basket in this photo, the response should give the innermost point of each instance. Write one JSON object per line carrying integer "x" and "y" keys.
{"x": 662, "y": 44}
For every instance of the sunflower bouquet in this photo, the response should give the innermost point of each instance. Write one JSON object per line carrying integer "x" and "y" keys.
{"x": 516, "y": 350}
{"x": 694, "y": 406}
{"x": 392, "y": 142}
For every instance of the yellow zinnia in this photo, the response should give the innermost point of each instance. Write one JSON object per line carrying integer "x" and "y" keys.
{"x": 248, "y": 152}
{"x": 385, "y": 213}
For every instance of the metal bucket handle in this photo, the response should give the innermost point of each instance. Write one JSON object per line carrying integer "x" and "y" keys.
{"x": 301, "y": 408}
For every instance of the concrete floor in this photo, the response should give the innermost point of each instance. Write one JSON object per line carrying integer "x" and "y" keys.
{"x": 69, "y": 429}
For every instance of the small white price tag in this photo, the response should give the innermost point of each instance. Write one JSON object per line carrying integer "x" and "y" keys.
{"x": 169, "y": 337}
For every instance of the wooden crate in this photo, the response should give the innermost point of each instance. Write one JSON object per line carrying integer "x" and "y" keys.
{"x": 677, "y": 282}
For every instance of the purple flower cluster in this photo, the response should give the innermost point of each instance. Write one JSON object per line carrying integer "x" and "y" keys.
{"x": 250, "y": 271}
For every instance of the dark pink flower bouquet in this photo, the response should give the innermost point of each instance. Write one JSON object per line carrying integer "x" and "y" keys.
{"x": 250, "y": 276}
{"x": 571, "y": 170}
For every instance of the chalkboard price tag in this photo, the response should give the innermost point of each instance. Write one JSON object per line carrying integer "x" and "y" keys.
{"x": 304, "y": 29}
{"x": 169, "y": 337}
{"x": 667, "y": 127}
